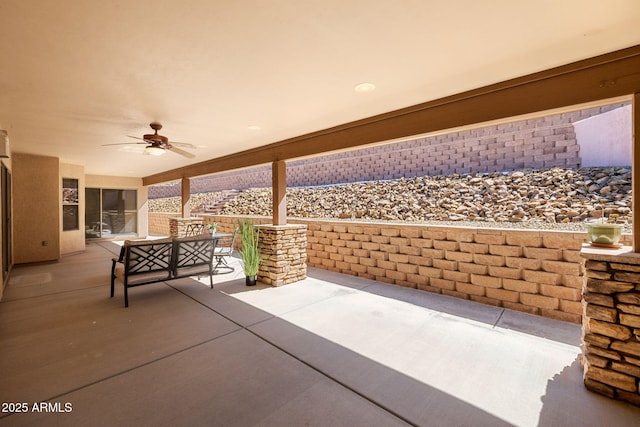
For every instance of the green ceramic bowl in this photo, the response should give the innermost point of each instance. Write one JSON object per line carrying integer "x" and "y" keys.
{"x": 604, "y": 234}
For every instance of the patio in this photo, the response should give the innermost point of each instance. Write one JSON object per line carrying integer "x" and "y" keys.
{"x": 330, "y": 350}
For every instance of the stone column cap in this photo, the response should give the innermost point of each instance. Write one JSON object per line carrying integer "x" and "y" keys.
{"x": 623, "y": 254}
{"x": 281, "y": 227}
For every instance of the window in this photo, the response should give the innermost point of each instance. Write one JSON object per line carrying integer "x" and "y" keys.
{"x": 70, "y": 204}
{"x": 110, "y": 213}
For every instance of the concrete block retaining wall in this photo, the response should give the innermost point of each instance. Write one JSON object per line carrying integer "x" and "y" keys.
{"x": 538, "y": 272}
{"x": 536, "y": 143}
{"x": 531, "y": 271}
{"x": 159, "y": 223}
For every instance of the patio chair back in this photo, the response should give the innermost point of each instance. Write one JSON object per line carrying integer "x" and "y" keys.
{"x": 223, "y": 251}
{"x": 149, "y": 258}
{"x": 193, "y": 255}
{"x": 142, "y": 262}
{"x": 194, "y": 229}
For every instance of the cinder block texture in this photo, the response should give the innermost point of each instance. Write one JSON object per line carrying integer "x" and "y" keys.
{"x": 536, "y": 143}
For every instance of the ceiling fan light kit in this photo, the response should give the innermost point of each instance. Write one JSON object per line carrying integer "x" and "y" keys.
{"x": 154, "y": 150}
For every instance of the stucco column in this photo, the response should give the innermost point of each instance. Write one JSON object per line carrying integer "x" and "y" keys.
{"x": 186, "y": 198}
{"x": 635, "y": 170}
{"x": 279, "y": 184}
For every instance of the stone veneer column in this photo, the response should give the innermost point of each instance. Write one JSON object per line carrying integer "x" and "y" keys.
{"x": 284, "y": 253}
{"x": 178, "y": 226}
{"x": 611, "y": 323}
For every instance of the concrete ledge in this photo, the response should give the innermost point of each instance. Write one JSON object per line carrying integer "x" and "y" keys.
{"x": 623, "y": 254}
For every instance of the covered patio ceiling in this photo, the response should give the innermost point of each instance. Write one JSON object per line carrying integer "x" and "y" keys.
{"x": 235, "y": 76}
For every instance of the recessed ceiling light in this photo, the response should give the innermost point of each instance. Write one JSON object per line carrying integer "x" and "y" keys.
{"x": 254, "y": 127}
{"x": 364, "y": 87}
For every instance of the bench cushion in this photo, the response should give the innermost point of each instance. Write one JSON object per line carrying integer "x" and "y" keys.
{"x": 141, "y": 242}
{"x": 154, "y": 276}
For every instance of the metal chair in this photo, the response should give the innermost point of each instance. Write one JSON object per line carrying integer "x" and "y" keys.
{"x": 223, "y": 250}
{"x": 194, "y": 230}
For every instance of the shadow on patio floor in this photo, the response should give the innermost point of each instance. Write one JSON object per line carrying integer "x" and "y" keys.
{"x": 332, "y": 350}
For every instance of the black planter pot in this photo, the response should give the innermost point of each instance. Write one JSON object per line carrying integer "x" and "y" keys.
{"x": 250, "y": 280}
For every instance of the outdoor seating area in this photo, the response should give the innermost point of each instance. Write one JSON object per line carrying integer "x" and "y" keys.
{"x": 142, "y": 262}
{"x": 408, "y": 225}
{"x": 331, "y": 349}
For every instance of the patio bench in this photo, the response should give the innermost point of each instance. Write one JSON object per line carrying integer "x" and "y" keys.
{"x": 150, "y": 261}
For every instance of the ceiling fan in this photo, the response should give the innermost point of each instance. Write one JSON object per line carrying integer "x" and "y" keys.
{"x": 157, "y": 145}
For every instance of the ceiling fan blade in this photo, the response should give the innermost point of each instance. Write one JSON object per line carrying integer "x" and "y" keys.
{"x": 125, "y": 143}
{"x": 181, "y": 152}
{"x": 183, "y": 144}
{"x": 146, "y": 141}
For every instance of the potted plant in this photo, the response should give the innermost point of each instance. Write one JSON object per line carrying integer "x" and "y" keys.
{"x": 250, "y": 253}
{"x": 603, "y": 233}
{"x": 212, "y": 227}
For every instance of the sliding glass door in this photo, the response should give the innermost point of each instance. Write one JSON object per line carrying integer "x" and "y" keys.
{"x": 110, "y": 213}
{"x": 5, "y": 214}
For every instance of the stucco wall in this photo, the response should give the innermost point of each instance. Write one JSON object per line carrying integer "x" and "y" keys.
{"x": 73, "y": 240}
{"x": 606, "y": 139}
{"x": 36, "y": 208}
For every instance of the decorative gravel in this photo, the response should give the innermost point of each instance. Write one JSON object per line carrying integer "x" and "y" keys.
{"x": 549, "y": 199}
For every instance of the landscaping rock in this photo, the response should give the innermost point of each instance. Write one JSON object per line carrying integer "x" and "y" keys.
{"x": 542, "y": 198}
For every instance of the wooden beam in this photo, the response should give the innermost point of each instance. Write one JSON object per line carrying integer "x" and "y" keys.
{"x": 635, "y": 170}
{"x": 279, "y": 185}
{"x": 607, "y": 76}
{"x": 186, "y": 198}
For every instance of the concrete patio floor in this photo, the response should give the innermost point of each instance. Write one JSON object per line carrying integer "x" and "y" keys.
{"x": 332, "y": 350}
